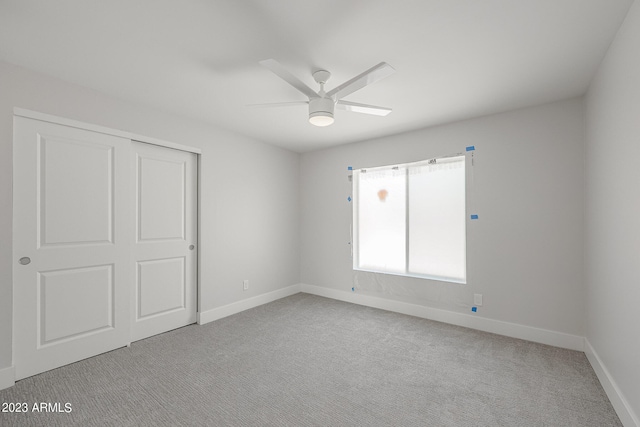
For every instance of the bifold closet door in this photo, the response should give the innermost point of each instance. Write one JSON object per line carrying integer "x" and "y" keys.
{"x": 165, "y": 239}
{"x": 71, "y": 250}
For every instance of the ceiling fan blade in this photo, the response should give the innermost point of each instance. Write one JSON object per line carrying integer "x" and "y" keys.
{"x": 372, "y": 75}
{"x": 363, "y": 108}
{"x": 285, "y": 75}
{"x": 278, "y": 104}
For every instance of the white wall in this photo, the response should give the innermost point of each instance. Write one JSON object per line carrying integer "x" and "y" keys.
{"x": 524, "y": 252}
{"x": 612, "y": 254}
{"x": 250, "y": 204}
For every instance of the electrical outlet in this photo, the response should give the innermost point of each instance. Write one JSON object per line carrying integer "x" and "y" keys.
{"x": 245, "y": 285}
{"x": 477, "y": 299}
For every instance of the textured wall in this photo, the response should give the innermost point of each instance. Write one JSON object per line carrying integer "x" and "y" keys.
{"x": 524, "y": 253}
{"x": 612, "y": 233}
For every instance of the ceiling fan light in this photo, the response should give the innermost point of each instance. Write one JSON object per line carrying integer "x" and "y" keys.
{"x": 321, "y": 118}
{"x": 321, "y": 111}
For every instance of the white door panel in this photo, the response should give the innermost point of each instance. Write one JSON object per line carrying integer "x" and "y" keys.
{"x": 71, "y": 210}
{"x": 162, "y": 204}
{"x": 165, "y": 244}
{"x": 58, "y": 294}
{"x": 71, "y": 220}
{"x": 171, "y": 272}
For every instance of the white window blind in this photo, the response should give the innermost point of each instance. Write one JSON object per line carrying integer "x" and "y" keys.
{"x": 410, "y": 219}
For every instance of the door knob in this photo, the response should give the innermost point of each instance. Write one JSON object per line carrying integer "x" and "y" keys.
{"x": 24, "y": 260}
{"x": 191, "y": 247}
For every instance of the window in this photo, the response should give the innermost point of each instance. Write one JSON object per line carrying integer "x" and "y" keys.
{"x": 410, "y": 219}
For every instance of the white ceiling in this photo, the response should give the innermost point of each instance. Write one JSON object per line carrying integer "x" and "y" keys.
{"x": 454, "y": 59}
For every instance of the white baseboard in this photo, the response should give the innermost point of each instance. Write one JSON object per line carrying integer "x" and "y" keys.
{"x": 7, "y": 377}
{"x": 619, "y": 402}
{"x": 543, "y": 336}
{"x": 245, "y": 304}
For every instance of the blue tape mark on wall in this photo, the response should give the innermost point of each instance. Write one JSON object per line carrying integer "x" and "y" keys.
{"x": 353, "y": 289}
{"x": 349, "y": 168}
{"x": 349, "y": 198}
{"x": 471, "y": 148}
{"x": 474, "y": 216}
{"x": 474, "y": 309}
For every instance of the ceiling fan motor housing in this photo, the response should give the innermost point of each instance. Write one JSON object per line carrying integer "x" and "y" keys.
{"x": 321, "y": 110}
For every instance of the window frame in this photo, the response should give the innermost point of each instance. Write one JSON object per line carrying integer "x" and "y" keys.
{"x": 406, "y": 166}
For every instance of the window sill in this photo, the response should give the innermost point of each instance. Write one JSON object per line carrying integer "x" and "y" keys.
{"x": 416, "y": 276}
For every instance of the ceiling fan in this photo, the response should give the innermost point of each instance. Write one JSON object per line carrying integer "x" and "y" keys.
{"x": 321, "y": 103}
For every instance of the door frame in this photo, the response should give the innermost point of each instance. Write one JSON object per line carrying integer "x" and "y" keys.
{"x": 22, "y": 112}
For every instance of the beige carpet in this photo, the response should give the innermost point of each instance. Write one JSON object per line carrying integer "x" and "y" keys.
{"x": 312, "y": 361}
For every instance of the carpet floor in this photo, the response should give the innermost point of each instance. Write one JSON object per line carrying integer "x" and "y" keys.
{"x": 311, "y": 361}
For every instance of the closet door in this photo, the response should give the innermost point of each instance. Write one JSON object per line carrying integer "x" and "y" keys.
{"x": 71, "y": 272}
{"x": 165, "y": 239}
